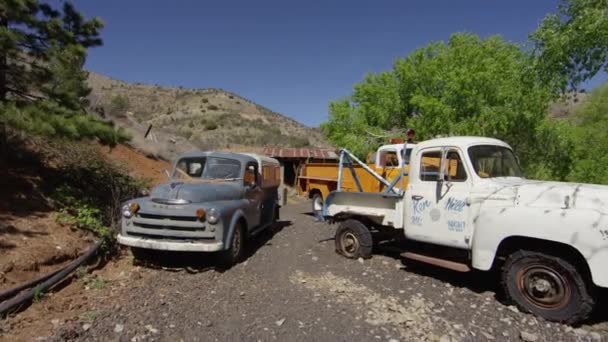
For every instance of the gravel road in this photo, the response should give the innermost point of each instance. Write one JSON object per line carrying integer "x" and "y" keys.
{"x": 294, "y": 287}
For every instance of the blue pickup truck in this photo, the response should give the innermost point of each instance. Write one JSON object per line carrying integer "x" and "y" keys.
{"x": 212, "y": 203}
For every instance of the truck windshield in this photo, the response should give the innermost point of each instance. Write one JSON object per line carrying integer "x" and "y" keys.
{"x": 207, "y": 168}
{"x": 491, "y": 161}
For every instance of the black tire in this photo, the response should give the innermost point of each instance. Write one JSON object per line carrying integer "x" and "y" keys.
{"x": 317, "y": 206}
{"x": 234, "y": 253}
{"x": 276, "y": 214}
{"x": 547, "y": 286}
{"x": 354, "y": 240}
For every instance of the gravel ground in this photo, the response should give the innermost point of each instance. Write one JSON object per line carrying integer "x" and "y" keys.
{"x": 294, "y": 287}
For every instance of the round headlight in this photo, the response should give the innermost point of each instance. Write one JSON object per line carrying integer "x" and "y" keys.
{"x": 213, "y": 216}
{"x": 129, "y": 209}
{"x": 125, "y": 211}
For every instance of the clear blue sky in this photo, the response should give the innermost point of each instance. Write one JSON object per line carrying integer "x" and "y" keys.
{"x": 290, "y": 56}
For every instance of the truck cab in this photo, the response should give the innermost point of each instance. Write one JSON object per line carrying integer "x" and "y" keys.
{"x": 391, "y": 156}
{"x": 465, "y": 205}
{"x": 212, "y": 202}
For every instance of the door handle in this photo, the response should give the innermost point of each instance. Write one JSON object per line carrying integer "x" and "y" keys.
{"x": 417, "y": 197}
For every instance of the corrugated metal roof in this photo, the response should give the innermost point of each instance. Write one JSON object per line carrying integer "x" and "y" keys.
{"x": 300, "y": 153}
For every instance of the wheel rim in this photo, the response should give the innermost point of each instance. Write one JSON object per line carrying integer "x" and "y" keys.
{"x": 317, "y": 204}
{"x": 349, "y": 243}
{"x": 236, "y": 243}
{"x": 543, "y": 287}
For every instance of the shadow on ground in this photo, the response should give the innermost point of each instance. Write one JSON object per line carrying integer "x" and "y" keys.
{"x": 477, "y": 281}
{"x": 194, "y": 262}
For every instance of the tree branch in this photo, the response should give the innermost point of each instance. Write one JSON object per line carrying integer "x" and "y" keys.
{"x": 24, "y": 95}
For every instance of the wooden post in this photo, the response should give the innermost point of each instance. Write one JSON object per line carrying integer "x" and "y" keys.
{"x": 284, "y": 197}
{"x": 148, "y": 131}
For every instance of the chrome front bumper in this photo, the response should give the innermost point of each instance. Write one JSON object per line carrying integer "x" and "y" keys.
{"x": 170, "y": 245}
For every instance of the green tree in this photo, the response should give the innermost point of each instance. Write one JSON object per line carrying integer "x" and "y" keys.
{"x": 467, "y": 86}
{"x": 590, "y": 125}
{"x": 571, "y": 46}
{"x": 42, "y": 83}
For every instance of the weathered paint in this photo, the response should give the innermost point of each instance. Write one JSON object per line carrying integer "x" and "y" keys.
{"x": 167, "y": 218}
{"x": 487, "y": 211}
{"x": 569, "y": 213}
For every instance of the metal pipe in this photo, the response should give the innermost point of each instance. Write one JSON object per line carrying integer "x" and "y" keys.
{"x": 403, "y": 167}
{"x": 15, "y": 290}
{"x": 394, "y": 182}
{"x": 367, "y": 168}
{"x": 354, "y": 174}
{"x": 340, "y": 170}
{"x": 57, "y": 277}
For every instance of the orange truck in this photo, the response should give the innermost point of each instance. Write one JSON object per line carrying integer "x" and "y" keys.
{"x": 317, "y": 180}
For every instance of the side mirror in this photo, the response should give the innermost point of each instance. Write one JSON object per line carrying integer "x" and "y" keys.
{"x": 249, "y": 178}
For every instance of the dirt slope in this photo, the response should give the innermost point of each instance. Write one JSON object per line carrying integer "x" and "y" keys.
{"x": 138, "y": 164}
{"x": 32, "y": 241}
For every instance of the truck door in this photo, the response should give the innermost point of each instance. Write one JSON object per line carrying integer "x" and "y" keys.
{"x": 253, "y": 194}
{"x": 436, "y": 209}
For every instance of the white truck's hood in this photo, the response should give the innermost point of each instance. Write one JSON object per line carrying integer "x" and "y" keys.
{"x": 552, "y": 195}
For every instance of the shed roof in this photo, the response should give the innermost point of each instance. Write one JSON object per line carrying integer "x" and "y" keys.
{"x": 300, "y": 153}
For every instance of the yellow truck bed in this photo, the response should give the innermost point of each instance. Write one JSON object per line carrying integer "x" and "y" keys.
{"x": 322, "y": 178}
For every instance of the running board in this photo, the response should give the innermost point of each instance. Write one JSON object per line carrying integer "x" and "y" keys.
{"x": 452, "y": 265}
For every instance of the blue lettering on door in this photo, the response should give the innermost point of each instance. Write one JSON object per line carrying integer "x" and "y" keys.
{"x": 420, "y": 206}
{"x": 456, "y": 226}
{"x": 417, "y": 220}
{"x": 454, "y": 204}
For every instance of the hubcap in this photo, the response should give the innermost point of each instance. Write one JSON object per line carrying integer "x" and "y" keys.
{"x": 544, "y": 287}
{"x": 350, "y": 244}
{"x": 236, "y": 243}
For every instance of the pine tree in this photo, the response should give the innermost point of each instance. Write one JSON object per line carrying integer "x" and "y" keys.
{"x": 42, "y": 82}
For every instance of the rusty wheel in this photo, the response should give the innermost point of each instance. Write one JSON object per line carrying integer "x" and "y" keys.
{"x": 237, "y": 244}
{"x": 543, "y": 286}
{"x": 354, "y": 240}
{"x": 350, "y": 244}
{"x": 233, "y": 254}
{"x": 547, "y": 286}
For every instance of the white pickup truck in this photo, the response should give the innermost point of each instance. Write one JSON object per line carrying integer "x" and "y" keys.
{"x": 466, "y": 205}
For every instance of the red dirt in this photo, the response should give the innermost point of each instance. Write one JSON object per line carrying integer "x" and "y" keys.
{"x": 137, "y": 163}
{"x": 75, "y": 305}
{"x": 31, "y": 241}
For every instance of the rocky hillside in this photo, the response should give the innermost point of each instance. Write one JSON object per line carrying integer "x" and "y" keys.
{"x": 566, "y": 107}
{"x": 195, "y": 118}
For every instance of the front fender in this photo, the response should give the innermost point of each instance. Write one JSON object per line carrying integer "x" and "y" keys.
{"x": 230, "y": 224}
{"x": 578, "y": 228}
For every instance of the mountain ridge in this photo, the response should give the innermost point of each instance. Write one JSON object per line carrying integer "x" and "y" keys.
{"x": 186, "y": 119}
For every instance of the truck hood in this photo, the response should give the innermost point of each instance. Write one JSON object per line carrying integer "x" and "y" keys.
{"x": 554, "y": 195}
{"x": 197, "y": 192}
